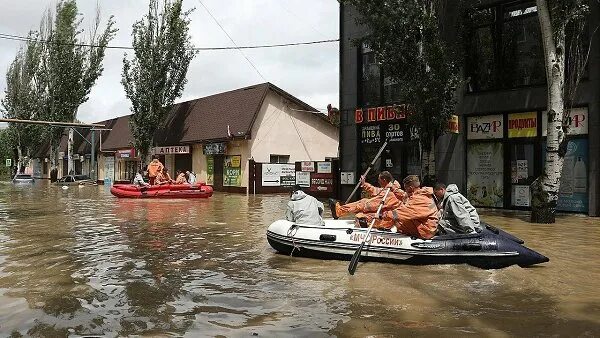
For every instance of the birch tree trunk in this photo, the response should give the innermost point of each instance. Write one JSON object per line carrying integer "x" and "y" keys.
{"x": 546, "y": 187}
{"x": 70, "y": 168}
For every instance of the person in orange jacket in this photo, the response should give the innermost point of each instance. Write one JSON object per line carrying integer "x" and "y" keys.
{"x": 370, "y": 204}
{"x": 153, "y": 168}
{"x": 418, "y": 216}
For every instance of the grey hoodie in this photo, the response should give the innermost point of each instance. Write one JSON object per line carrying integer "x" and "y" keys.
{"x": 458, "y": 215}
{"x": 304, "y": 209}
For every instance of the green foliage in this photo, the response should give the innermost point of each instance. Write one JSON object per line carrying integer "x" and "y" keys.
{"x": 406, "y": 38}
{"x": 5, "y": 152}
{"x": 69, "y": 67}
{"x": 156, "y": 75}
{"x": 20, "y": 100}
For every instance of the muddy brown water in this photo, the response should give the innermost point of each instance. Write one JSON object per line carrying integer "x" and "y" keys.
{"x": 80, "y": 262}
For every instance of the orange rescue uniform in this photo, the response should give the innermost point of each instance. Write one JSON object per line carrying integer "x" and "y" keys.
{"x": 153, "y": 168}
{"x": 417, "y": 217}
{"x": 369, "y": 205}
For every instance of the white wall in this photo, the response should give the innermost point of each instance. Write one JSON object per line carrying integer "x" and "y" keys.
{"x": 280, "y": 130}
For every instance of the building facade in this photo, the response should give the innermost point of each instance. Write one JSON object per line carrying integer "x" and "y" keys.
{"x": 499, "y": 148}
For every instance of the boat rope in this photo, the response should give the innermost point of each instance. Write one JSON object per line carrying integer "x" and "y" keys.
{"x": 291, "y": 233}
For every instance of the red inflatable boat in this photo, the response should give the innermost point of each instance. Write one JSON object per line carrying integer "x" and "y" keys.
{"x": 162, "y": 191}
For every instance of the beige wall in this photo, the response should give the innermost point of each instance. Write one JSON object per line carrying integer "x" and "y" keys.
{"x": 280, "y": 130}
{"x": 198, "y": 162}
{"x": 100, "y": 167}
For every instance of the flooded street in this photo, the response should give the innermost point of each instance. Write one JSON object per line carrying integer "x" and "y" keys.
{"x": 81, "y": 262}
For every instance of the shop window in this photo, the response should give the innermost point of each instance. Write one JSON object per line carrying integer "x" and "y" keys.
{"x": 522, "y": 173}
{"x": 485, "y": 174}
{"x": 279, "y": 158}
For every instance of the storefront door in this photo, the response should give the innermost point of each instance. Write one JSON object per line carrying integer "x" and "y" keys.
{"x": 523, "y": 171}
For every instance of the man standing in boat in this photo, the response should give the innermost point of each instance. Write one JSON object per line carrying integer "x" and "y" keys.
{"x": 458, "y": 215}
{"x": 370, "y": 205}
{"x": 303, "y": 208}
{"x": 417, "y": 216}
{"x": 153, "y": 168}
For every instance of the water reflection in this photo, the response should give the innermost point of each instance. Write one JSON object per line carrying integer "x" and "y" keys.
{"x": 81, "y": 262}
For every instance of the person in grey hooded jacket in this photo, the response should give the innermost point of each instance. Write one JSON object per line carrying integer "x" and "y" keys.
{"x": 303, "y": 208}
{"x": 458, "y": 215}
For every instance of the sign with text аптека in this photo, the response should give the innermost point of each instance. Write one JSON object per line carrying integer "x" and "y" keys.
{"x": 167, "y": 150}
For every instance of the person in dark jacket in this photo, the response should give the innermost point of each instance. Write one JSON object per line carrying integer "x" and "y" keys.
{"x": 458, "y": 215}
{"x": 303, "y": 208}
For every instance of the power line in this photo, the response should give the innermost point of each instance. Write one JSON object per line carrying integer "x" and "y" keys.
{"x": 28, "y": 39}
{"x": 224, "y": 31}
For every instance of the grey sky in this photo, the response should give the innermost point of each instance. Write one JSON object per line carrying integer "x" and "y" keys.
{"x": 308, "y": 72}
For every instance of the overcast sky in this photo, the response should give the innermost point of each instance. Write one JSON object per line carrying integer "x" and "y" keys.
{"x": 307, "y": 72}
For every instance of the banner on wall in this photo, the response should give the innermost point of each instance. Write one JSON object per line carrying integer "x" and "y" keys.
{"x": 109, "y": 170}
{"x": 232, "y": 171}
{"x": 210, "y": 170}
{"x": 485, "y": 127}
{"x": 303, "y": 179}
{"x": 577, "y": 122}
{"x": 485, "y": 174}
{"x": 573, "y": 194}
{"x": 522, "y": 125}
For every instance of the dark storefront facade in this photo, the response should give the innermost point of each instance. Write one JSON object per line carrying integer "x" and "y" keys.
{"x": 499, "y": 149}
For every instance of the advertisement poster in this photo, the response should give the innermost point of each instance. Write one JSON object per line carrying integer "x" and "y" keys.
{"x": 307, "y": 166}
{"x": 573, "y": 194}
{"x": 521, "y": 196}
{"x": 109, "y": 170}
{"x": 210, "y": 170}
{"x": 270, "y": 175}
{"x": 232, "y": 172}
{"x": 321, "y": 183}
{"x": 485, "y": 174}
{"x": 287, "y": 174}
{"x": 370, "y": 134}
{"x": 303, "y": 179}
{"x": 324, "y": 167}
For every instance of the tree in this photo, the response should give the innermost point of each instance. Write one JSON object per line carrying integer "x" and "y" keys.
{"x": 20, "y": 101}
{"x": 554, "y": 17}
{"x": 406, "y": 37}
{"x": 70, "y": 66}
{"x": 156, "y": 75}
{"x": 5, "y": 153}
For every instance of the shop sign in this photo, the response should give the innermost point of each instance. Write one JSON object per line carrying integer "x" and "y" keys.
{"x": 324, "y": 167}
{"x": 522, "y": 125}
{"x": 395, "y": 132}
{"x": 577, "y": 122}
{"x": 210, "y": 169}
{"x": 214, "y": 148}
{"x": 303, "y": 178}
{"x": 232, "y": 173}
{"x": 370, "y": 134}
{"x": 167, "y": 150}
{"x": 270, "y": 175}
{"x": 453, "y": 124}
{"x": 389, "y": 113}
{"x": 484, "y": 127}
{"x": 126, "y": 153}
{"x": 307, "y": 166}
{"x": 8, "y": 162}
{"x": 321, "y": 182}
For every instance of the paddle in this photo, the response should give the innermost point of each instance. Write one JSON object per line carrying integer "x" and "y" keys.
{"x": 368, "y": 170}
{"x": 356, "y": 256}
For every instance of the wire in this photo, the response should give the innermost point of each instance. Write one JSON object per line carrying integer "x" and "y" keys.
{"x": 224, "y": 31}
{"x": 27, "y": 39}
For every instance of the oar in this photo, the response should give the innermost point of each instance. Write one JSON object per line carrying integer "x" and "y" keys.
{"x": 368, "y": 170}
{"x": 356, "y": 256}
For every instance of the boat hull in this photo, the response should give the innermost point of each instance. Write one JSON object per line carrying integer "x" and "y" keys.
{"x": 162, "y": 191}
{"x": 338, "y": 239}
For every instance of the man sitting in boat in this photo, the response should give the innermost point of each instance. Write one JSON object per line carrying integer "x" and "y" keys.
{"x": 139, "y": 179}
{"x": 153, "y": 168}
{"x": 191, "y": 177}
{"x": 458, "y": 215}
{"x": 303, "y": 208}
{"x": 370, "y": 205}
{"x": 180, "y": 178}
{"x": 417, "y": 216}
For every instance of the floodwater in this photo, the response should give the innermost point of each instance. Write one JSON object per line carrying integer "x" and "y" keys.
{"x": 80, "y": 262}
